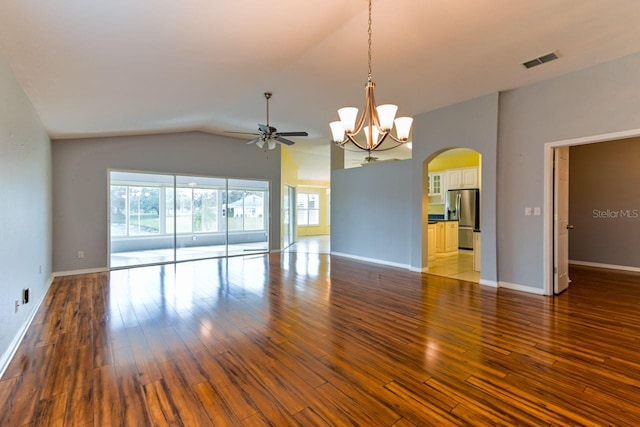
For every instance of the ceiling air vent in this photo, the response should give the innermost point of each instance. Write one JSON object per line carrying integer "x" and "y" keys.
{"x": 540, "y": 60}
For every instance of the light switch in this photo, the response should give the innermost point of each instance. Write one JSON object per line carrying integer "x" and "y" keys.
{"x": 527, "y": 211}
{"x": 536, "y": 211}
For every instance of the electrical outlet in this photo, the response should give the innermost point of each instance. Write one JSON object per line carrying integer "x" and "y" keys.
{"x": 16, "y": 305}
{"x": 80, "y": 254}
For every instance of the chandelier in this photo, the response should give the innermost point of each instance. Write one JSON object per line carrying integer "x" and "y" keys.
{"x": 377, "y": 121}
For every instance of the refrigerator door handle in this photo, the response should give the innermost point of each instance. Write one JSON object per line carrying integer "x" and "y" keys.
{"x": 458, "y": 199}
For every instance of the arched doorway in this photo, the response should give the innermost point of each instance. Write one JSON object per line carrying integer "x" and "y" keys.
{"x": 451, "y": 213}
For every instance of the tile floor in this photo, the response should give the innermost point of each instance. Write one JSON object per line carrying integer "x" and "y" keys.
{"x": 458, "y": 266}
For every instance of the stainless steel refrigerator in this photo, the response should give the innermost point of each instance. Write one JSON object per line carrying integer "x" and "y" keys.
{"x": 464, "y": 206}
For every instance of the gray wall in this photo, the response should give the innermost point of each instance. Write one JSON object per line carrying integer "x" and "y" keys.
{"x": 80, "y": 182}
{"x": 25, "y": 217}
{"x": 472, "y": 124}
{"x": 371, "y": 211}
{"x": 594, "y": 101}
{"x": 604, "y": 203}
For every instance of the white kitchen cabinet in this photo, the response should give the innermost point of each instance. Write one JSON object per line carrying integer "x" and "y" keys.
{"x": 434, "y": 184}
{"x": 470, "y": 178}
{"x": 454, "y": 179}
{"x": 462, "y": 178}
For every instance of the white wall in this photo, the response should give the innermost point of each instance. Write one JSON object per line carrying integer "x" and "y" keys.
{"x": 25, "y": 216}
{"x": 80, "y": 183}
{"x": 595, "y": 101}
{"x": 371, "y": 212}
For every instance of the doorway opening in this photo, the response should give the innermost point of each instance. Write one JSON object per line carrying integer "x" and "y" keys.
{"x": 453, "y": 194}
{"x": 601, "y": 216}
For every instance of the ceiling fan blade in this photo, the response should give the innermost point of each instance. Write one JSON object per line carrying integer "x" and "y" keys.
{"x": 242, "y": 133}
{"x": 253, "y": 141}
{"x": 284, "y": 140}
{"x": 293, "y": 134}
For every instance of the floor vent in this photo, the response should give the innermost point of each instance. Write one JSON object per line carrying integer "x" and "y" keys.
{"x": 540, "y": 60}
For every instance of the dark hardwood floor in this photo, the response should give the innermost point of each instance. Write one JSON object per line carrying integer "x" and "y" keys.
{"x": 305, "y": 339}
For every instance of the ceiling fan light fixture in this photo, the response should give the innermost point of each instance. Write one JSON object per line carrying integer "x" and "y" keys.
{"x": 377, "y": 121}
{"x": 260, "y": 143}
{"x": 271, "y": 144}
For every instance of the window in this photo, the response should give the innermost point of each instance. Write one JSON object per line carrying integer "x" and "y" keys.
{"x": 308, "y": 209}
{"x": 169, "y": 216}
{"x": 135, "y": 210}
{"x": 198, "y": 208}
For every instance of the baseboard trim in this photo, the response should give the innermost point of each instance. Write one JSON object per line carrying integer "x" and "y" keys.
{"x": 521, "y": 288}
{"x": 419, "y": 270}
{"x": 13, "y": 347}
{"x": 372, "y": 260}
{"x": 76, "y": 272}
{"x": 607, "y": 266}
{"x": 491, "y": 283}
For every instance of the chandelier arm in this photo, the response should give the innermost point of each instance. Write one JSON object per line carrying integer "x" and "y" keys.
{"x": 361, "y": 120}
{"x": 371, "y": 98}
{"x": 356, "y": 143}
{"x": 381, "y": 139}
{"x": 387, "y": 149}
{"x": 398, "y": 140}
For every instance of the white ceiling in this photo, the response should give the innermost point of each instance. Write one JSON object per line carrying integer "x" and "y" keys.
{"x": 122, "y": 67}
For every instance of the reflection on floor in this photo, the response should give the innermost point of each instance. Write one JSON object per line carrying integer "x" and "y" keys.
{"x": 159, "y": 256}
{"x": 458, "y": 266}
{"x": 312, "y": 245}
{"x": 309, "y": 245}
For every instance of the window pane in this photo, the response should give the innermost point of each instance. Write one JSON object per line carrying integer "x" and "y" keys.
{"x": 235, "y": 210}
{"x": 144, "y": 215}
{"x": 254, "y": 210}
{"x": 302, "y": 201}
{"x": 314, "y": 217}
{"x": 302, "y": 216}
{"x": 314, "y": 201}
{"x": 184, "y": 205}
{"x": 206, "y": 210}
{"x": 118, "y": 210}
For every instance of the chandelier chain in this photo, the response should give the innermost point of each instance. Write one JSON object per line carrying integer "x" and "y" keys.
{"x": 369, "y": 40}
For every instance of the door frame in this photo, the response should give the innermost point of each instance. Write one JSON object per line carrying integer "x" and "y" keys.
{"x": 548, "y": 206}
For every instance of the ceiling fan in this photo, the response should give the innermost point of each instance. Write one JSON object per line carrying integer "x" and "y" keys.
{"x": 269, "y": 134}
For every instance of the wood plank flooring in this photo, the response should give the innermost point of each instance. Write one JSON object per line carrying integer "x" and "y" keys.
{"x": 306, "y": 339}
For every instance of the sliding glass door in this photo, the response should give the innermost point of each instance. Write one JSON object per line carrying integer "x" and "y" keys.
{"x": 156, "y": 218}
{"x": 247, "y": 213}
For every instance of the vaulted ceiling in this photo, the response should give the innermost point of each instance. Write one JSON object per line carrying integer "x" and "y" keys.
{"x": 123, "y": 67}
